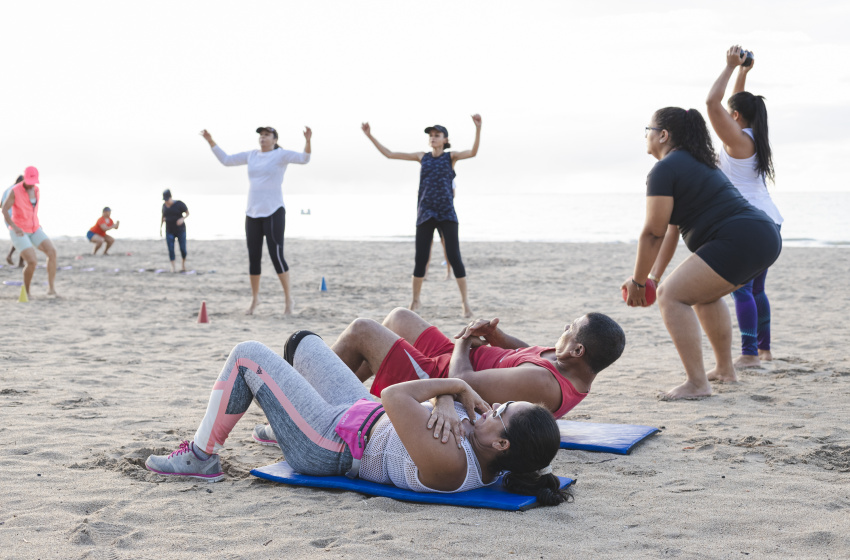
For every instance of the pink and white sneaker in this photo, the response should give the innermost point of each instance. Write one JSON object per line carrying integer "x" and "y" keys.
{"x": 186, "y": 460}
{"x": 264, "y": 435}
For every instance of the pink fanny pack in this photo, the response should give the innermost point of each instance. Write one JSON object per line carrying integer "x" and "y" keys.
{"x": 353, "y": 427}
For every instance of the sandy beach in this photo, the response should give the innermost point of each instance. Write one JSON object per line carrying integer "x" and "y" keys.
{"x": 117, "y": 368}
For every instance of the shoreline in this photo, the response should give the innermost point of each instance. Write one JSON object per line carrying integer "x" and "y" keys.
{"x": 792, "y": 242}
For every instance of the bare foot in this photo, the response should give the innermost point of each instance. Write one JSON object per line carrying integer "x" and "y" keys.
{"x": 414, "y": 305}
{"x": 254, "y": 304}
{"x": 290, "y": 307}
{"x": 52, "y": 292}
{"x": 467, "y": 311}
{"x": 765, "y": 356}
{"x": 745, "y": 361}
{"x": 722, "y": 376}
{"x": 687, "y": 391}
{"x": 9, "y": 260}
{"x": 448, "y": 274}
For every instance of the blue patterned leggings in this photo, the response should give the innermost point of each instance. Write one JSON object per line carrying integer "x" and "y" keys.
{"x": 753, "y": 311}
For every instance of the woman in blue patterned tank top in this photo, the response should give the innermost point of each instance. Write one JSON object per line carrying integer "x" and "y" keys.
{"x": 435, "y": 208}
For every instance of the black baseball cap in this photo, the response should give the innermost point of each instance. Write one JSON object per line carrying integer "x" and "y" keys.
{"x": 438, "y": 128}
{"x": 166, "y": 194}
{"x": 267, "y": 129}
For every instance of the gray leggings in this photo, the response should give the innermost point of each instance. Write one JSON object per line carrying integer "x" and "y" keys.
{"x": 303, "y": 403}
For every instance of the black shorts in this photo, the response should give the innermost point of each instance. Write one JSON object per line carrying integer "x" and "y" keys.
{"x": 741, "y": 249}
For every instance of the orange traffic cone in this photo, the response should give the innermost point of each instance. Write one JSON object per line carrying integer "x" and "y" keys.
{"x": 202, "y": 314}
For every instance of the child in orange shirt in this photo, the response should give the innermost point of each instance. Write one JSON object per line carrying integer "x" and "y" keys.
{"x": 97, "y": 234}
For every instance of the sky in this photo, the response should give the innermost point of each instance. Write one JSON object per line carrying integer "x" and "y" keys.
{"x": 110, "y": 96}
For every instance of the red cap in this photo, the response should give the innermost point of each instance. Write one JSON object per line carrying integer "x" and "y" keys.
{"x": 31, "y": 175}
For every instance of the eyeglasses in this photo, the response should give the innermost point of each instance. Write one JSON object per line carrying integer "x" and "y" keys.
{"x": 647, "y": 129}
{"x": 501, "y": 410}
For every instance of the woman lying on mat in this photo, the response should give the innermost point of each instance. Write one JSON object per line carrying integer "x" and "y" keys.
{"x": 326, "y": 424}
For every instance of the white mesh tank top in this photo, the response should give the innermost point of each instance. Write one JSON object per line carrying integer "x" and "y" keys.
{"x": 748, "y": 181}
{"x": 385, "y": 460}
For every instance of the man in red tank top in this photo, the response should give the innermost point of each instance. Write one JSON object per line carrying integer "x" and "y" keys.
{"x": 499, "y": 367}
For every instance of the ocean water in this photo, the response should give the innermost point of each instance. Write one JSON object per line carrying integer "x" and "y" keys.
{"x": 811, "y": 219}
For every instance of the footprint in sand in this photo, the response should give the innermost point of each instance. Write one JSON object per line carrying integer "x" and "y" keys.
{"x": 98, "y": 533}
{"x": 79, "y": 402}
{"x": 831, "y": 457}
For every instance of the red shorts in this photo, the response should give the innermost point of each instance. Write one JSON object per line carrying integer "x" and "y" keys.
{"x": 427, "y": 358}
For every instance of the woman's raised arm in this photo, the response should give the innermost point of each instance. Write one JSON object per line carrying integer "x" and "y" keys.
{"x": 228, "y": 160}
{"x": 414, "y": 156}
{"x": 466, "y": 154}
{"x": 741, "y": 79}
{"x": 735, "y": 141}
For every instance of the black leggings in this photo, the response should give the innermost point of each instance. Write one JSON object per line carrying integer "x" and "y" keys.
{"x": 424, "y": 236}
{"x": 272, "y": 228}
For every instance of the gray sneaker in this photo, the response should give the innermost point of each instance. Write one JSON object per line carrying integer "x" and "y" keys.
{"x": 185, "y": 461}
{"x": 264, "y": 435}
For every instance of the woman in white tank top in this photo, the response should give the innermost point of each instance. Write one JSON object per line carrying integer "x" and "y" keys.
{"x": 747, "y": 160}
{"x": 325, "y": 422}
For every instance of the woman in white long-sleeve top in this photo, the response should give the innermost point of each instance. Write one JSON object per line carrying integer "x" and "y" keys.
{"x": 266, "y": 214}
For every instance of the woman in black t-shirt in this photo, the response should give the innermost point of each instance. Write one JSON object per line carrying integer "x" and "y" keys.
{"x": 174, "y": 214}
{"x": 732, "y": 242}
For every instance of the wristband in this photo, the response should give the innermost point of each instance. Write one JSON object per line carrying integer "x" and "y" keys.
{"x": 654, "y": 278}
{"x": 635, "y": 282}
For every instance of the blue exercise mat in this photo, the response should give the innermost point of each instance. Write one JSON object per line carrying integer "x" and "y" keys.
{"x": 608, "y": 438}
{"x": 493, "y": 497}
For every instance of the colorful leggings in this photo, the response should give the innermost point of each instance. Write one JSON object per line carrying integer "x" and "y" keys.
{"x": 303, "y": 403}
{"x": 753, "y": 311}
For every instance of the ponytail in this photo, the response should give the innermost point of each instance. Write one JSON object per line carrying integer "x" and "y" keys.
{"x": 534, "y": 441}
{"x": 546, "y": 488}
{"x": 754, "y": 111}
{"x": 688, "y": 132}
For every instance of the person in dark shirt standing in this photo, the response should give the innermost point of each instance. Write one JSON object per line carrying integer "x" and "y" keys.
{"x": 435, "y": 208}
{"x": 174, "y": 214}
{"x": 731, "y": 240}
